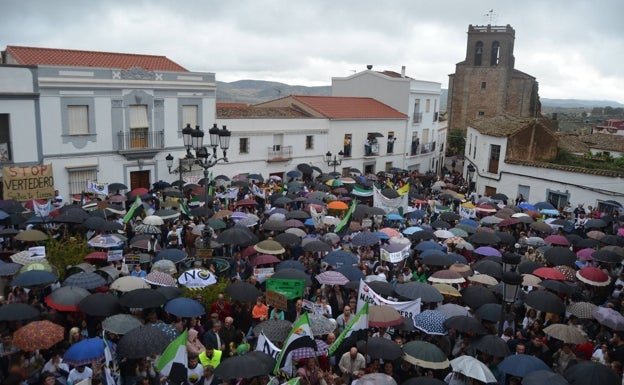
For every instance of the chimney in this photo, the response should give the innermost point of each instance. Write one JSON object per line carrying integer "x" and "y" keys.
{"x": 402, "y": 71}
{"x": 369, "y": 67}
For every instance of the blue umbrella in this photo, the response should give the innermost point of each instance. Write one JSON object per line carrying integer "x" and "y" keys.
{"x": 293, "y": 174}
{"x": 339, "y": 258}
{"x": 418, "y": 214}
{"x": 9, "y": 268}
{"x": 544, "y": 206}
{"x": 411, "y": 230}
{"x": 85, "y": 352}
{"x": 432, "y": 253}
{"x": 430, "y": 322}
{"x": 457, "y": 258}
{"x": 382, "y": 236}
{"x": 427, "y": 245}
{"x": 173, "y": 255}
{"x": 185, "y": 307}
{"x": 365, "y": 238}
{"x": 351, "y": 272}
{"x": 521, "y": 364}
{"x": 309, "y": 222}
{"x": 290, "y": 264}
{"x": 394, "y": 217}
{"x": 550, "y": 211}
{"x": 527, "y": 206}
{"x": 34, "y": 278}
{"x": 469, "y": 222}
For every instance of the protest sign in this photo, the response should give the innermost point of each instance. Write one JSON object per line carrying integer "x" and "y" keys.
{"x": 22, "y": 183}
{"x": 291, "y": 288}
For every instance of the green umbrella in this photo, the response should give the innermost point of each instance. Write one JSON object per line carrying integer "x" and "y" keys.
{"x": 425, "y": 354}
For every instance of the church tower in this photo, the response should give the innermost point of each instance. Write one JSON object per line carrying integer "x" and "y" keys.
{"x": 486, "y": 84}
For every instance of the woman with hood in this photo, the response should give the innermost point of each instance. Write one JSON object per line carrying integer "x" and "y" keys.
{"x": 193, "y": 344}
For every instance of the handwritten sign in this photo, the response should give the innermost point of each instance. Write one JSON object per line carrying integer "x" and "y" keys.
{"x": 23, "y": 183}
{"x": 277, "y": 300}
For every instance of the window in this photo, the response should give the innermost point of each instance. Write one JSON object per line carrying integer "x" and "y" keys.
{"x": 415, "y": 144}
{"x": 481, "y": 114}
{"x": 347, "y": 145}
{"x": 427, "y": 105}
{"x": 524, "y": 191}
{"x": 189, "y": 115}
{"x": 78, "y": 120}
{"x": 478, "y": 53}
{"x": 474, "y": 154}
{"x": 243, "y": 145}
{"x": 388, "y": 166}
{"x": 417, "y": 113}
{"x": 309, "y": 142}
{"x": 495, "y": 54}
{"x": 5, "y": 139}
{"x": 483, "y": 85}
{"x": 138, "y": 126}
{"x": 494, "y": 158}
{"x": 391, "y": 140}
{"x": 557, "y": 198}
{"x": 78, "y": 178}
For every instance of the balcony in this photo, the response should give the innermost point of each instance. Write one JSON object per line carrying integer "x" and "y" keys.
{"x": 140, "y": 143}
{"x": 372, "y": 150}
{"x": 417, "y": 117}
{"x": 422, "y": 149}
{"x": 279, "y": 153}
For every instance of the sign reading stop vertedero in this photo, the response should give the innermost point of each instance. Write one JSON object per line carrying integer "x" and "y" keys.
{"x": 23, "y": 183}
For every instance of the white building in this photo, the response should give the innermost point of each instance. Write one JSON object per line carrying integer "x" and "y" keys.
{"x": 418, "y": 99}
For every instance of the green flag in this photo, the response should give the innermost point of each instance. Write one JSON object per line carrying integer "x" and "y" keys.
{"x": 300, "y": 336}
{"x": 210, "y": 186}
{"x": 173, "y": 361}
{"x": 185, "y": 209}
{"x": 346, "y": 218}
{"x": 137, "y": 202}
{"x": 359, "y": 322}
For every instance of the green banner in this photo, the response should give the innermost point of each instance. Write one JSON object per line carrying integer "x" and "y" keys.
{"x": 291, "y": 288}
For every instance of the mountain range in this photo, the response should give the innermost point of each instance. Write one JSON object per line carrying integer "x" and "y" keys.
{"x": 257, "y": 91}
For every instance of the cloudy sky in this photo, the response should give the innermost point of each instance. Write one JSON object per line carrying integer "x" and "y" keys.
{"x": 575, "y": 48}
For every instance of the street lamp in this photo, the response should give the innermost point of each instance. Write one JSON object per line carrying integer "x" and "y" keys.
{"x": 470, "y": 173}
{"x": 194, "y": 139}
{"x": 334, "y": 161}
{"x": 511, "y": 282}
{"x": 184, "y": 164}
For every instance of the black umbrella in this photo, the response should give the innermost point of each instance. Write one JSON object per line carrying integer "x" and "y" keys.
{"x": 100, "y": 305}
{"x": 491, "y": 344}
{"x": 424, "y": 380}
{"x": 528, "y": 267}
{"x": 142, "y": 298}
{"x": 351, "y": 272}
{"x": 440, "y": 224}
{"x": 379, "y": 347}
{"x": 421, "y": 236}
{"x": 317, "y": 246}
{"x": 540, "y": 377}
{"x": 557, "y": 286}
{"x": 390, "y": 193}
{"x": 170, "y": 292}
{"x": 293, "y": 274}
{"x": 67, "y": 218}
{"x": 245, "y": 366}
{"x": 142, "y": 342}
{"x": 559, "y": 255}
{"x": 506, "y": 238}
{"x": 288, "y": 239}
{"x": 117, "y": 187}
{"x": 414, "y": 290}
{"x": 484, "y": 238}
{"x": 476, "y": 296}
{"x": 18, "y": 312}
{"x": 237, "y": 235}
{"x": 305, "y": 168}
{"x": 290, "y": 264}
{"x": 449, "y": 216}
{"x": 383, "y": 288}
{"x": 365, "y": 238}
{"x": 436, "y": 258}
{"x": 489, "y": 312}
{"x": 202, "y": 211}
{"x": 591, "y": 373}
{"x": 274, "y": 225}
{"x": 33, "y": 278}
{"x": 161, "y": 185}
{"x": 274, "y": 329}
{"x": 465, "y": 324}
{"x": 242, "y": 291}
{"x": 489, "y": 267}
{"x": 545, "y": 301}
{"x": 297, "y": 214}
{"x": 85, "y": 280}
{"x": 173, "y": 255}
{"x": 606, "y": 256}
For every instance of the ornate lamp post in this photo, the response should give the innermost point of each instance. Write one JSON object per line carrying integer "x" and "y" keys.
{"x": 334, "y": 161}
{"x": 469, "y": 175}
{"x": 511, "y": 283}
{"x": 184, "y": 165}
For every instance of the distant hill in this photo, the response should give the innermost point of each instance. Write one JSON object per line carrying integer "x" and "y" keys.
{"x": 258, "y": 91}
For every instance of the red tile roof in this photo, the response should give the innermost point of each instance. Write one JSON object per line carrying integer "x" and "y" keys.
{"x": 75, "y": 58}
{"x": 343, "y": 107}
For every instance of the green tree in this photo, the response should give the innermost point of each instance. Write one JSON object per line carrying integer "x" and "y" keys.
{"x": 65, "y": 252}
{"x": 456, "y": 140}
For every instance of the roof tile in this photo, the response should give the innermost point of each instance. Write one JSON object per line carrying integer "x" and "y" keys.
{"x": 344, "y": 107}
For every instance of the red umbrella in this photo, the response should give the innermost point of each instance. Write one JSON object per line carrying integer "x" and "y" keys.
{"x": 246, "y": 202}
{"x": 137, "y": 191}
{"x": 263, "y": 259}
{"x": 558, "y": 240}
{"x": 568, "y": 272}
{"x": 549, "y": 273}
{"x": 593, "y": 276}
{"x": 38, "y": 335}
{"x": 97, "y": 256}
{"x": 508, "y": 222}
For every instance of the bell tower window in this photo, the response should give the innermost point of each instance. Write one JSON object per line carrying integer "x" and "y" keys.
{"x": 495, "y": 54}
{"x": 478, "y": 57}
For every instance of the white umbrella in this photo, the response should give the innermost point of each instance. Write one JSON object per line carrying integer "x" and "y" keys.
{"x": 473, "y": 368}
{"x": 484, "y": 279}
{"x": 196, "y": 278}
{"x": 444, "y": 234}
{"x": 153, "y": 220}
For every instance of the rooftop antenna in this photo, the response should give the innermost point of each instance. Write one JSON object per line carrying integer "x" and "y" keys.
{"x": 491, "y": 16}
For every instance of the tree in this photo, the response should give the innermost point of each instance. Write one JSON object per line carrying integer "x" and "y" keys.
{"x": 456, "y": 140}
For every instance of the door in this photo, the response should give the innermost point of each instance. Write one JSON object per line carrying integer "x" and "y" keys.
{"x": 138, "y": 138}
{"x": 489, "y": 191}
{"x": 140, "y": 179}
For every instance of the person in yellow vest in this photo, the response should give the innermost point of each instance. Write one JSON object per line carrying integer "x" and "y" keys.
{"x": 210, "y": 356}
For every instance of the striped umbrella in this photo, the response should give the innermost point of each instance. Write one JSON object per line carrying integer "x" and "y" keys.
{"x": 159, "y": 278}
{"x": 331, "y": 278}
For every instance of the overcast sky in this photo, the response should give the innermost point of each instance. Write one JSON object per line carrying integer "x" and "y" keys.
{"x": 574, "y": 48}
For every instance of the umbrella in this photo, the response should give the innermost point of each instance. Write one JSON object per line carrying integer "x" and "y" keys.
{"x": 492, "y": 345}
{"x": 560, "y": 256}
{"x": 609, "y": 318}
{"x": 351, "y": 272}
{"x": 160, "y": 279}
{"x": 315, "y": 246}
{"x": 545, "y": 301}
{"x": 290, "y": 264}
{"x": 521, "y": 364}
{"x": 117, "y": 186}
{"x": 465, "y": 324}
{"x": 434, "y": 257}
{"x": 85, "y": 280}
{"x": 451, "y": 310}
{"x": 269, "y": 246}
{"x": 264, "y": 259}
{"x": 566, "y": 333}
{"x": 424, "y": 380}
{"x": 446, "y": 276}
{"x": 321, "y": 325}
{"x": 142, "y": 342}
{"x": 489, "y": 312}
{"x": 424, "y": 354}
{"x": 9, "y": 269}
{"x": 18, "y": 312}
{"x": 376, "y": 379}
{"x": 380, "y": 347}
{"x": 142, "y": 298}
{"x": 383, "y": 288}
{"x": 120, "y": 324}
{"x": 288, "y": 239}
{"x": 274, "y": 330}
{"x": 197, "y": 278}
{"x": 446, "y": 289}
{"x": 33, "y": 278}
{"x": 383, "y": 316}
{"x": 331, "y": 278}
{"x": 414, "y": 290}
{"x": 99, "y": 305}
{"x": 556, "y": 286}
{"x": 31, "y": 236}
{"x": 473, "y": 368}
{"x": 242, "y": 291}
{"x": 85, "y": 352}
{"x": 66, "y": 298}
{"x": 365, "y": 238}
{"x": 129, "y": 283}
{"x": 528, "y": 267}
{"x": 582, "y": 310}
{"x": 484, "y": 279}
{"x": 593, "y": 276}
{"x": 292, "y": 274}
{"x": 591, "y": 373}
{"x": 484, "y": 238}
{"x": 339, "y": 258}
{"x": 147, "y": 228}
{"x": 476, "y": 295}
{"x": 106, "y": 241}
{"x": 557, "y": 240}
{"x": 38, "y": 335}
{"x": 540, "y": 377}
{"x": 488, "y": 251}
{"x": 430, "y": 322}
{"x": 173, "y": 255}
{"x": 606, "y": 256}
{"x": 549, "y": 273}
{"x": 244, "y": 366}
{"x": 185, "y": 307}
{"x": 170, "y": 292}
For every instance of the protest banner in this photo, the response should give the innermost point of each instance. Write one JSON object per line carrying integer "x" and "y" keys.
{"x": 23, "y": 183}
{"x": 115, "y": 255}
{"x": 407, "y": 309}
{"x": 277, "y": 300}
{"x": 291, "y": 288}
{"x": 262, "y": 274}
{"x": 395, "y": 252}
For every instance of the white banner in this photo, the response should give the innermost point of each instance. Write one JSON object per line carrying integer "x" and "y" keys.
{"x": 262, "y": 274}
{"x": 42, "y": 210}
{"x": 395, "y": 257}
{"x": 97, "y": 188}
{"x": 390, "y": 205}
{"x": 407, "y": 309}
{"x": 264, "y": 345}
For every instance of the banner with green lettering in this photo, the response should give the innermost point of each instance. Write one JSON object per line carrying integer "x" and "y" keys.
{"x": 291, "y": 288}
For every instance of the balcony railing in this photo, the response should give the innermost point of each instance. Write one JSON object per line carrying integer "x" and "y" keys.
{"x": 372, "y": 150}
{"x": 279, "y": 153}
{"x": 140, "y": 139}
{"x": 418, "y": 117}
{"x": 421, "y": 149}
